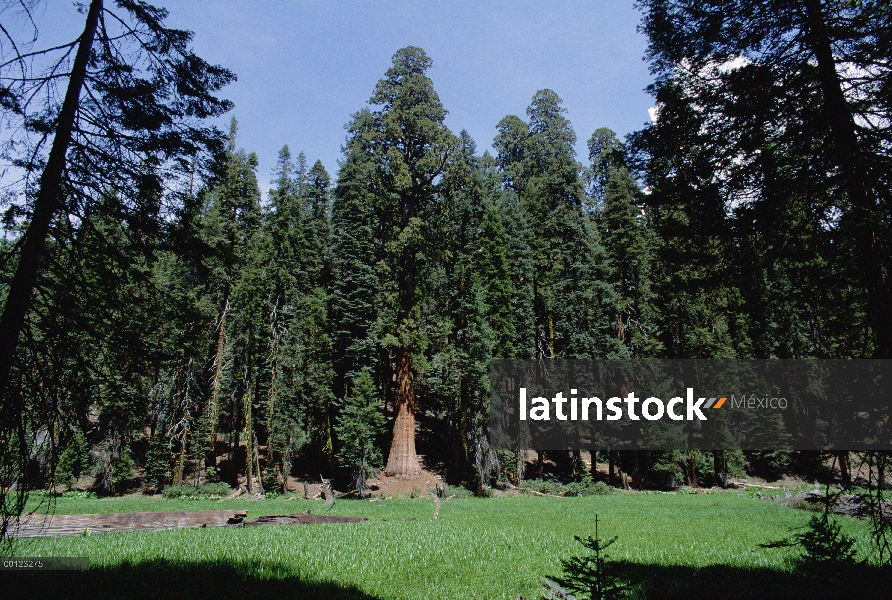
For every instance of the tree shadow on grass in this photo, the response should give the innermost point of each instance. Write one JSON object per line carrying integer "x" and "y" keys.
{"x": 662, "y": 582}
{"x": 181, "y": 580}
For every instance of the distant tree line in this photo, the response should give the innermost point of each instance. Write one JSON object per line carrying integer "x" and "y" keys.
{"x": 161, "y": 320}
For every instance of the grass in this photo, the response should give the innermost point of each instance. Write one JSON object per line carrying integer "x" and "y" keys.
{"x": 672, "y": 545}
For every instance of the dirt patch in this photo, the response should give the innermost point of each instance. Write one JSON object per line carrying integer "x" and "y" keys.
{"x": 380, "y": 486}
{"x": 391, "y": 486}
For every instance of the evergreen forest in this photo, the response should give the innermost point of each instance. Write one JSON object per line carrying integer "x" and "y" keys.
{"x": 169, "y": 318}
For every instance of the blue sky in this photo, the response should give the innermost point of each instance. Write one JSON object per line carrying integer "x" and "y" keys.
{"x": 305, "y": 67}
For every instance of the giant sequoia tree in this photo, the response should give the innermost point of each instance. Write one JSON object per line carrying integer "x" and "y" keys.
{"x": 409, "y": 144}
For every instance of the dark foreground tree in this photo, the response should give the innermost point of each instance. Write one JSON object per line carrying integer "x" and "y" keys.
{"x": 112, "y": 131}
{"x": 593, "y": 575}
{"x": 794, "y": 97}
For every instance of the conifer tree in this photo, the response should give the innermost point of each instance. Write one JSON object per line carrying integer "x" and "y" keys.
{"x": 137, "y": 78}
{"x": 574, "y": 303}
{"x": 476, "y": 300}
{"x": 318, "y": 206}
{"x": 518, "y": 233}
{"x": 359, "y": 424}
{"x": 284, "y": 418}
{"x": 355, "y": 292}
{"x": 409, "y": 144}
{"x": 232, "y": 230}
{"x": 784, "y": 117}
{"x": 629, "y": 241}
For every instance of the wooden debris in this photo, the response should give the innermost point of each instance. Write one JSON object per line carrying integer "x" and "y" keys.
{"x": 556, "y": 591}
{"x": 436, "y": 498}
{"x": 233, "y": 495}
{"x": 546, "y": 495}
{"x": 69, "y": 525}
{"x": 437, "y": 503}
{"x": 328, "y": 492}
{"x": 301, "y": 519}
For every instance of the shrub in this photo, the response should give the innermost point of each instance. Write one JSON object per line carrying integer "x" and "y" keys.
{"x": 74, "y": 460}
{"x": 824, "y": 546}
{"x": 79, "y": 495}
{"x": 576, "y": 488}
{"x": 588, "y": 489}
{"x": 215, "y": 489}
{"x": 178, "y": 491}
{"x": 543, "y": 486}
{"x": 824, "y": 549}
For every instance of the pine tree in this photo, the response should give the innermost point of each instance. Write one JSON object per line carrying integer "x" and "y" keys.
{"x": 784, "y": 120}
{"x": 629, "y": 241}
{"x": 285, "y": 417}
{"x": 238, "y": 266}
{"x": 474, "y": 302}
{"x": 594, "y": 575}
{"x": 355, "y": 291}
{"x": 318, "y": 205}
{"x": 518, "y": 233}
{"x": 574, "y": 304}
{"x": 359, "y": 424}
{"x": 133, "y": 76}
{"x": 74, "y": 460}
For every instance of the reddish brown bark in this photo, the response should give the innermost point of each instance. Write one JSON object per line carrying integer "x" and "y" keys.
{"x": 402, "y": 462}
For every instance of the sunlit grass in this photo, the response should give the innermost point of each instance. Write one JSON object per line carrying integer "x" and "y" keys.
{"x": 478, "y": 548}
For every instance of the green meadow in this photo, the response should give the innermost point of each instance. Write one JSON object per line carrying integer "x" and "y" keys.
{"x": 671, "y": 545}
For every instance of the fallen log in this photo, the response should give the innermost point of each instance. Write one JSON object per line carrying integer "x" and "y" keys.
{"x": 71, "y": 525}
{"x": 301, "y": 519}
{"x": 546, "y": 495}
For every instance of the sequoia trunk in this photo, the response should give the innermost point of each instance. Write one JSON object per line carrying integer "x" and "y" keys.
{"x": 402, "y": 462}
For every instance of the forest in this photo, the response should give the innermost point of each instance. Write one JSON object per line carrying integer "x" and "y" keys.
{"x": 164, "y": 323}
